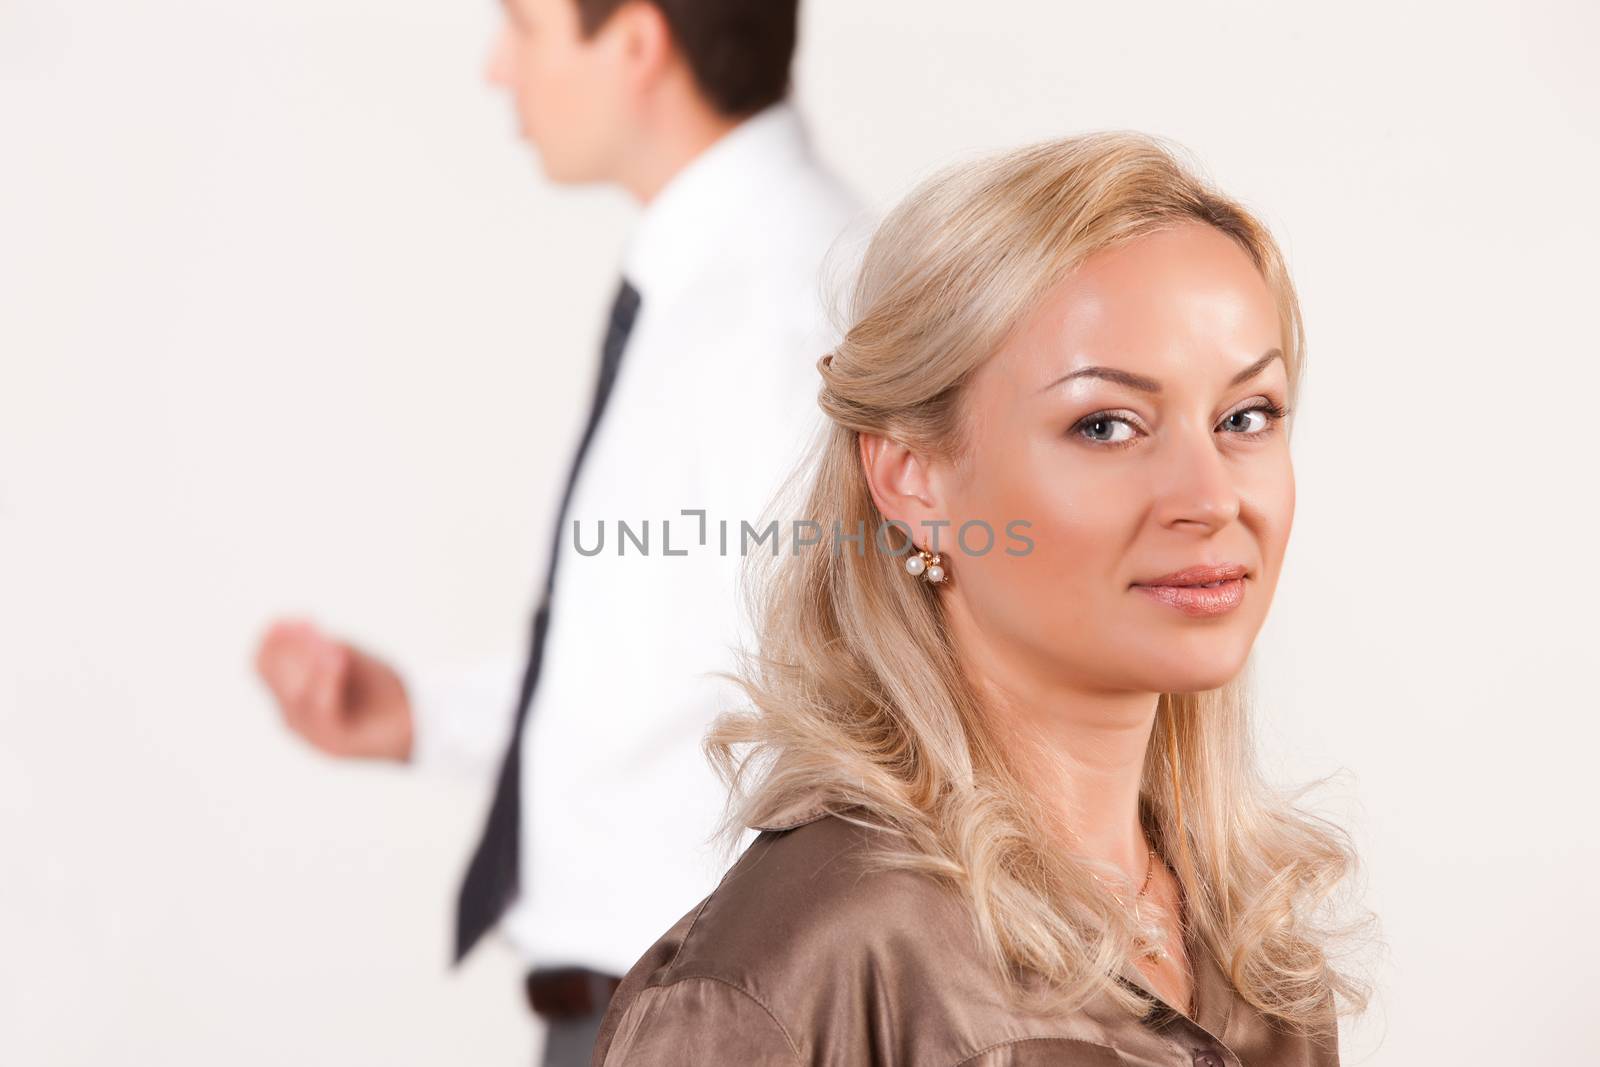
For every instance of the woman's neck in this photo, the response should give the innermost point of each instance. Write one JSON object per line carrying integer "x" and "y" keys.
{"x": 1081, "y": 750}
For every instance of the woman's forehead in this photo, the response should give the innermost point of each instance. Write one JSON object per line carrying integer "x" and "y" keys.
{"x": 1183, "y": 302}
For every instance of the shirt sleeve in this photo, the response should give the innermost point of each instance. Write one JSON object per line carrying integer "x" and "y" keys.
{"x": 697, "y": 1020}
{"x": 461, "y": 715}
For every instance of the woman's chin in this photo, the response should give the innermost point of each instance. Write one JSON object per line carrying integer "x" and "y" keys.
{"x": 1191, "y": 670}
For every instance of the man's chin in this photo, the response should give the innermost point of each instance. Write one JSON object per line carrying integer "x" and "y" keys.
{"x": 559, "y": 173}
{"x": 553, "y": 165}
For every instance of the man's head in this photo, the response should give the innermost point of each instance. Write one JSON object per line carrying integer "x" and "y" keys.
{"x": 594, "y": 79}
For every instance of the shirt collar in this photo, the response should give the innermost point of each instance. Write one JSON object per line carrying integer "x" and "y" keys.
{"x": 795, "y": 814}
{"x": 1213, "y": 991}
{"x": 690, "y": 219}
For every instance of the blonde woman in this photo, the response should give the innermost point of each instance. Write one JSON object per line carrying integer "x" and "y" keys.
{"x": 1001, "y": 769}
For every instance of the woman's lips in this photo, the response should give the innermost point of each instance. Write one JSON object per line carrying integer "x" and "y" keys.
{"x": 1202, "y": 591}
{"x": 1198, "y": 601}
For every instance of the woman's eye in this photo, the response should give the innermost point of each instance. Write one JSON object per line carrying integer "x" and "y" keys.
{"x": 1111, "y": 429}
{"x": 1249, "y": 422}
{"x": 1105, "y": 429}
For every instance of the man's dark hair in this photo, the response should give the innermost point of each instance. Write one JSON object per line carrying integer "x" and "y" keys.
{"x": 738, "y": 50}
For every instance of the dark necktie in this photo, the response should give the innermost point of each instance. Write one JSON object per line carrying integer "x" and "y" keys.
{"x": 491, "y": 880}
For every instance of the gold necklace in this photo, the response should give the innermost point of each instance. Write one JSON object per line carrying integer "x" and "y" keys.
{"x": 1158, "y": 934}
{"x": 1149, "y": 872}
{"x": 1153, "y": 933}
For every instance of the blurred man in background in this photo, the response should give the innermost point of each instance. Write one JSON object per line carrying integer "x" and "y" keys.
{"x": 596, "y": 835}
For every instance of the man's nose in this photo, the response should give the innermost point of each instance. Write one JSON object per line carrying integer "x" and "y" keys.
{"x": 496, "y": 63}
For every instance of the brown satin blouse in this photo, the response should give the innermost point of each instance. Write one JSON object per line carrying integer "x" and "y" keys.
{"x": 804, "y": 956}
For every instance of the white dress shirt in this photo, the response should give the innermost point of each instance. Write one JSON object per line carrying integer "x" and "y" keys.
{"x": 715, "y": 399}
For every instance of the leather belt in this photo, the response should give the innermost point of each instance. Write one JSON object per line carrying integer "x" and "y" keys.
{"x": 569, "y": 992}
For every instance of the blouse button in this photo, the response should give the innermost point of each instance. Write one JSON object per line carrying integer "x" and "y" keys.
{"x": 1207, "y": 1058}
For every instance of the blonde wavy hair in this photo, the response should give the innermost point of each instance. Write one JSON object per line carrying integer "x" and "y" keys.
{"x": 858, "y": 700}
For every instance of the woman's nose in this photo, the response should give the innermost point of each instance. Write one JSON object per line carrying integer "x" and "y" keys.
{"x": 1198, "y": 487}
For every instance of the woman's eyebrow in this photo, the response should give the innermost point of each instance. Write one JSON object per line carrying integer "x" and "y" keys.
{"x": 1150, "y": 385}
{"x": 1257, "y": 367}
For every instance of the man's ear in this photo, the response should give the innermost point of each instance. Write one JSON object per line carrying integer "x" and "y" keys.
{"x": 901, "y": 482}
{"x": 644, "y": 38}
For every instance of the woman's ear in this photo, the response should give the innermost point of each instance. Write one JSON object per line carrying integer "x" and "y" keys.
{"x": 901, "y": 482}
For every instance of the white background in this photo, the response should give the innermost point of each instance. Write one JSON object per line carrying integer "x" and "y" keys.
{"x": 289, "y": 321}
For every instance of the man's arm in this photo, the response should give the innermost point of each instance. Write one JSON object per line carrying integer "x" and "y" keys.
{"x": 351, "y": 703}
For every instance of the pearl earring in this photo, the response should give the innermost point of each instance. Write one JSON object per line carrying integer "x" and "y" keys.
{"x": 927, "y": 565}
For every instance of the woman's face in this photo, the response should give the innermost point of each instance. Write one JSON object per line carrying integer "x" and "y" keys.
{"x": 1133, "y": 422}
